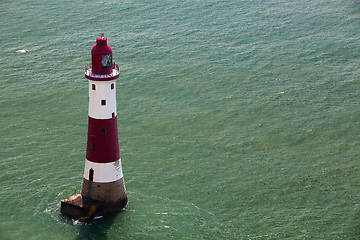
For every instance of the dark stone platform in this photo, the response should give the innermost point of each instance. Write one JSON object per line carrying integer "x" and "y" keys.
{"x": 85, "y": 209}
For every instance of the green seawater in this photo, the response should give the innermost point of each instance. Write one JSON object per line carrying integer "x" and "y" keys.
{"x": 237, "y": 119}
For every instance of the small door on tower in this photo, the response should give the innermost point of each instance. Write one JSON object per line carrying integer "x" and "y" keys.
{"x": 91, "y": 175}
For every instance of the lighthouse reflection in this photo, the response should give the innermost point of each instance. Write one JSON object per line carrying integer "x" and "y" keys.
{"x": 97, "y": 229}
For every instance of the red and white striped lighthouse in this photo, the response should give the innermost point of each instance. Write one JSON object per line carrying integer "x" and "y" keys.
{"x": 103, "y": 187}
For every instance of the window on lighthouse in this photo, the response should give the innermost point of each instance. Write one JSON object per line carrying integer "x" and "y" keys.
{"x": 103, "y": 102}
{"x": 112, "y": 86}
{"x": 93, "y": 86}
{"x": 92, "y": 147}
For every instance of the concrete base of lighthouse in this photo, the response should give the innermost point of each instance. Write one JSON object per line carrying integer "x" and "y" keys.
{"x": 96, "y": 199}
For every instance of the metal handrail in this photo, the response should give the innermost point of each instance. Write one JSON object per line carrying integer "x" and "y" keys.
{"x": 89, "y": 72}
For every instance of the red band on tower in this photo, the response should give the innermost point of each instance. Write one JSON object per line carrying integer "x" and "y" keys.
{"x": 102, "y": 144}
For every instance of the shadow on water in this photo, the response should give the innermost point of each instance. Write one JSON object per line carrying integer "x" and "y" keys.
{"x": 97, "y": 229}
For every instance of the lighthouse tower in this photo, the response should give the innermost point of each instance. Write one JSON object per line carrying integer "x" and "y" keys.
{"x": 103, "y": 188}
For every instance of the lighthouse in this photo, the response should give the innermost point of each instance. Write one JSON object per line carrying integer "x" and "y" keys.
{"x": 103, "y": 187}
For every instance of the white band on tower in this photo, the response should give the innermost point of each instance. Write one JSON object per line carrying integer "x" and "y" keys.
{"x": 102, "y": 99}
{"x": 103, "y": 172}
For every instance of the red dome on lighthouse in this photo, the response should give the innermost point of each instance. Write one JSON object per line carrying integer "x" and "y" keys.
{"x": 101, "y": 57}
{"x": 102, "y": 67}
{"x": 101, "y": 47}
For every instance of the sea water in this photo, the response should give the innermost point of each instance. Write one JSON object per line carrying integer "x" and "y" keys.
{"x": 237, "y": 119}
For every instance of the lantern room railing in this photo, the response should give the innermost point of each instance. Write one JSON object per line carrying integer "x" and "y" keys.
{"x": 113, "y": 75}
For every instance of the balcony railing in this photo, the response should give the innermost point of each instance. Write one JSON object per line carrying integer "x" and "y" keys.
{"x": 114, "y": 74}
